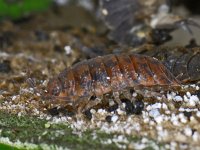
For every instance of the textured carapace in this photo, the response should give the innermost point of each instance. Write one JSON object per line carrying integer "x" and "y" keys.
{"x": 111, "y": 73}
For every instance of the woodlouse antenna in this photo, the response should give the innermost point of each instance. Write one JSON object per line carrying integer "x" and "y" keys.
{"x": 32, "y": 84}
{"x": 58, "y": 100}
{"x": 51, "y": 99}
{"x": 186, "y": 23}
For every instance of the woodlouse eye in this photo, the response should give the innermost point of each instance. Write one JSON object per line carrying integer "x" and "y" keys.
{"x": 54, "y": 87}
{"x": 56, "y": 91}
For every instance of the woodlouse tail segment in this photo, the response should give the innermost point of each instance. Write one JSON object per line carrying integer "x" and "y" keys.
{"x": 161, "y": 75}
{"x": 174, "y": 81}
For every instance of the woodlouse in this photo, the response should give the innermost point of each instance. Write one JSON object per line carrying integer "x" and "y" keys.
{"x": 104, "y": 74}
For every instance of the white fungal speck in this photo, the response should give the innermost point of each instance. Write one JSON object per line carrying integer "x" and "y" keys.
{"x": 188, "y": 94}
{"x": 105, "y": 12}
{"x": 188, "y": 131}
{"x": 108, "y": 78}
{"x": 134, "y": 94}
{"x": 14, "y": 97}
{"x": 68, "y": 50}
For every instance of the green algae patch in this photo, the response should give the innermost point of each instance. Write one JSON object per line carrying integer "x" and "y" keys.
{"x": 7, "y": 147}
{"x": 25, "y": 132}
{"x": 20, "y": 8}
{"x": 38, "y": 132}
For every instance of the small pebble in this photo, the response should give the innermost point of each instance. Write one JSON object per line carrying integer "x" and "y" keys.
{"x": 68, "y": 50}
{"x": 198, "y": 114}
{"x": 188, "y": 94}
{"x": 5, "y": 66}
{"x": 113, "y": 108}
{"x": 41, "y": 35}
{"x": 178, "y": 98}
{"x": 188, "y": 131}
{"x": 139, "y": 106}
{"x": 129, "y": 107}
{"x": 187, "y": 114}
{"x": 114, "y": 118}
{"x": 108, "y": 119}
{"x": 88, "y": 114}
{"x": 53, "y": 111}
{"x": 47, "y": 125}
{"x": 154, "y": 113}
{"x": 194, "y": 98}
{"x": 198, "y": 94}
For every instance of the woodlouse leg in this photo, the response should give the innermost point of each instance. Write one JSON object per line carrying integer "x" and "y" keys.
{"x": 117, "y": 99}
{"x": 149, "y": 93}
{"x": 127, "y": 94}
{"x": 58, "y": 101}
{"x": 92, "y": 103}
{"x": 84, "y": 104}
{"x": 80, "y": 104}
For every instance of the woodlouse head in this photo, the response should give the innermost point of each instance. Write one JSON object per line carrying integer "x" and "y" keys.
{"x": 54, "y": 87}
{"x": 55, "y": 95}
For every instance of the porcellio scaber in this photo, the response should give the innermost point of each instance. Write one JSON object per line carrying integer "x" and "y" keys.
{"x": 114, "y": 73}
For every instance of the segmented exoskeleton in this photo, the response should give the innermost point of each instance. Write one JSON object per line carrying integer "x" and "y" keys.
{"x": 104, "y": 74}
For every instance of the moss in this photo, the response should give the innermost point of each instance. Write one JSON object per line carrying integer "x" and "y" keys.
{"x": 17, "y": 9}
{"x": 37, "y": 131}
{"x": 32, "y": 130}
{"x": 7, "y": 147}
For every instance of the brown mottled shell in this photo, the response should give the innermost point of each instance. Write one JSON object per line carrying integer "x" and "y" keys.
{"x": 110, "y": 73}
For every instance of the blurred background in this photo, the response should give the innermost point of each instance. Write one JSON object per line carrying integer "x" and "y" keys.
{"x": 40, "y": 38}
